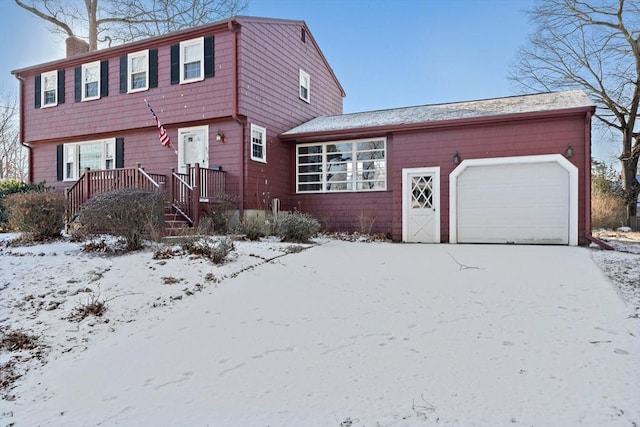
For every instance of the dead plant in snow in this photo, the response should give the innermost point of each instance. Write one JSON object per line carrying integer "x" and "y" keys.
{"x": 17, "y": 340}
{"x": 93, "y": 306}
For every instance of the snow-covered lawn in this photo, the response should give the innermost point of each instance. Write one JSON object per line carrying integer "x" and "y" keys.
{"x": 339, "y": 334}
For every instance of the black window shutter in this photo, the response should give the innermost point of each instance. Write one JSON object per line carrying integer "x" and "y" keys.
{"x": 60, "y": 162}
{"x": 175, "y": 64}
{"x": 208, "y": 57}
{"x": 77, "y": 83}
{"x": 119, "y": 152}
{"x": 104, "y": 78}
{"x": 123, "y": 73}
{"x": 153, "y": 68}
{"x": 60, "y": 86}
{"x": 38, "y": 89}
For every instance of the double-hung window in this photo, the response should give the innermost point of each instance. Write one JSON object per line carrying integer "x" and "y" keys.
{"x": 358, "y": 165}
{"x": 91, "y": 81}
{"x": 258, "y": 144}
{"x": 192, "y": 60}
{"x": 305, "y": 86}
{"x": 138, "y": 68}
{"x": 79, "y": 156}
{"x": 49, "y": 84}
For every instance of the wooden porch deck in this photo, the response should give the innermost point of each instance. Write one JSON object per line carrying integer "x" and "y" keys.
{"x": 185, "y": 192}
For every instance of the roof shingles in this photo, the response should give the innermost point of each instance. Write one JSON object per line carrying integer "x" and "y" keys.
{"x": 442, "y": 112}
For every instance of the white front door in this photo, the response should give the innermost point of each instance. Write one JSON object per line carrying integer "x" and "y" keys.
{"x": 421, "y": 205}
{"x": 193, "y": 147}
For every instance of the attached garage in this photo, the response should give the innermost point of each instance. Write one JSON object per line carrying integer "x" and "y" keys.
{"x": 504, "y": 170}
{"x": 521, "y": 200}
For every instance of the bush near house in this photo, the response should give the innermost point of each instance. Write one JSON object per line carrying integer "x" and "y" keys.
{"x": 296, "y": 226}
{"x": 40, "y": 214}
{"x": 607, "y": 211}
{"x": 9, "y": 187}
{"x": 216, "y": 216}
{"x": 254, "y": 227}
{"x": 130, "y": 214}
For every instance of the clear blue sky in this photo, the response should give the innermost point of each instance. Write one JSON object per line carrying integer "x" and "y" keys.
{"x": 386, "y": 53}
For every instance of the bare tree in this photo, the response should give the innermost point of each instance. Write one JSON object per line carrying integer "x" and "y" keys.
{"x": 118, "y": 21}
{"x": 593, "y": 45}
{"x": 13, "y": 156}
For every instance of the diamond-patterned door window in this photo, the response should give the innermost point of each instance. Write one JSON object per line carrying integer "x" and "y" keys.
{"x": 422, "y": 192}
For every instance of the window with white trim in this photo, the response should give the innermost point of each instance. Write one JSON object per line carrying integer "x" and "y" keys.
{"x": 258, "y": 144}
{"x": 138, "y": 69}
{"x": 78, "y": 156}
{"x": 358, "y": 165}
{"x": 49, "y": 89}
{"x": 305, "y": 86}
{"x": 91, "y": 81}
{"x": 192, "y": 60}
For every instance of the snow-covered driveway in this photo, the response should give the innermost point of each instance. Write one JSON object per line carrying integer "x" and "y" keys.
{"x": 365, "y": 335}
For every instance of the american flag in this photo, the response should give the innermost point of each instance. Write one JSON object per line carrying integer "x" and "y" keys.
{"x": 164, "y": 137}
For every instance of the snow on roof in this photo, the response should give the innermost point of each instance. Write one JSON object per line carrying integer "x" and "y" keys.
{"x": 451, "y": 111}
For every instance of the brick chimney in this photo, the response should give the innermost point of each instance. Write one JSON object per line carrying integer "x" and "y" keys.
{"x": 76, "y": 46}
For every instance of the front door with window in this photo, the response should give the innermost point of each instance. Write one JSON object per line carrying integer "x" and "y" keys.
{"x": 421, "y": 205}
{"x": 193, "y": 147}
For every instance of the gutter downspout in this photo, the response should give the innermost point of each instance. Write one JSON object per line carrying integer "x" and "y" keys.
{"x": 235, "y": 114}
{"x": 21, "y": 132}
{"x": 587, "y": 171}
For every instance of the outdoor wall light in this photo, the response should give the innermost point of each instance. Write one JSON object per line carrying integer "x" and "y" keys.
{"x": 456, "y": 158}
{"x": 220, "y": 136}
{"x": 568, "y": 152}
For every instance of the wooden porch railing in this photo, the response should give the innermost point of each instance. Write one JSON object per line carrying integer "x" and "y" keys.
{"x": 205, "y": 183}
{"x": 182, "y": 197}
{"x": 210, "y": 181}
{"x": 94, "y": 182}
{"x": 197, "y": 184}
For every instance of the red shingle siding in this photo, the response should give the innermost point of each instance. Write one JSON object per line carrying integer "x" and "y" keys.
{"x": 270, "y": 54}
{"x": 435, "y": 148}
{"x": 207, "y": 99}
{"x": 270, "y": 57}
{"x": 346, "y": 212}
{"x": 143, "y": 146}
{"x": 44, "y": 165}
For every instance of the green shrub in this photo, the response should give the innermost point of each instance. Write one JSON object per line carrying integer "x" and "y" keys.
{"x": 296, "y": 227}
{"x": 216, "y": 217}
{"x": 12, "y": 187}
{"x": 253, "y": 227}
{"x": 40, "y": 215}
{"x": 130, "y": 214}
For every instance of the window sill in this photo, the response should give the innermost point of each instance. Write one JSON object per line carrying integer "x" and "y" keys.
{"x": 184, "y": 82}
{"x": 137, "y": 90}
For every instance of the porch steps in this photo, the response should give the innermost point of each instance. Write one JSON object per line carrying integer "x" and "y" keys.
{"x": 175, "y": 224}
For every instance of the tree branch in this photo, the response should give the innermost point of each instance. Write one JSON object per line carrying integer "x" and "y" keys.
{"x": 49, "y": 18}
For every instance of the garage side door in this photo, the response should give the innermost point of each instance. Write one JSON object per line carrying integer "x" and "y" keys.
{"x": 513, "y": 203}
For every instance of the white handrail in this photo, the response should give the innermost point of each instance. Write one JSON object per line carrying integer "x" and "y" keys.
{"x": 182, "y": 181}
{"x": 146, "y": 175}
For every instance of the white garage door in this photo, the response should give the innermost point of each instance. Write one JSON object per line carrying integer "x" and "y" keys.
{"x": 527, "y": 203}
